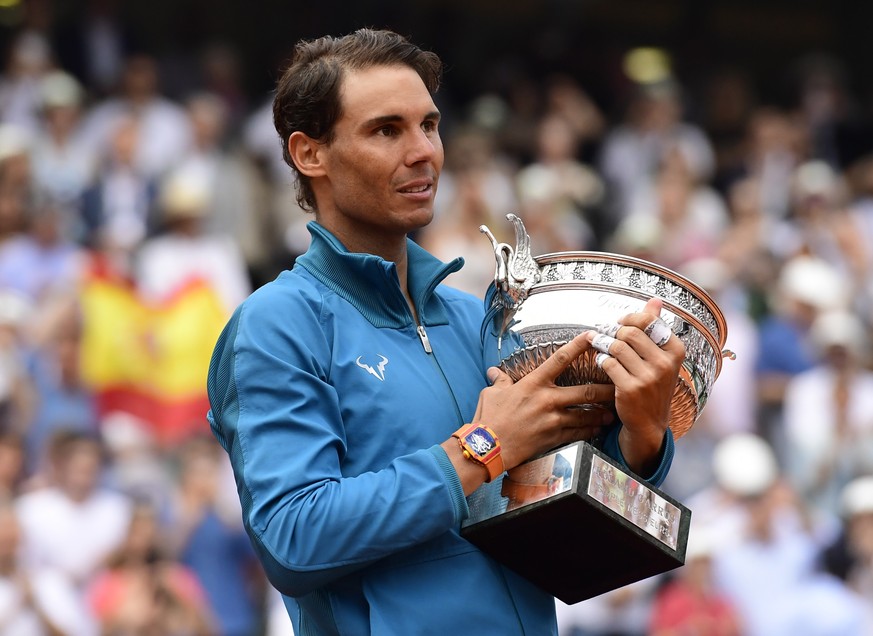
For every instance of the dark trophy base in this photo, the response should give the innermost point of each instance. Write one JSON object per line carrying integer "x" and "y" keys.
{"x": 577, "y": 525}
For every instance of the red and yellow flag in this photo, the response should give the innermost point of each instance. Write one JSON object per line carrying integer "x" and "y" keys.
{"x": 150, "y": 360}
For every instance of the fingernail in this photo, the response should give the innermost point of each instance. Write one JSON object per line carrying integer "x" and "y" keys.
{"x": 492, "y": 374}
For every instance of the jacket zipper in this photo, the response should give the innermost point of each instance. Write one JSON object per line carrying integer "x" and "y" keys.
{"x": 422, "y": 335}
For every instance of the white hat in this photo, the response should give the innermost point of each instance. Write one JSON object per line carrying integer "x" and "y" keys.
{"x": 185, "y": 194}
{"x": 14, "y": 141}
{"x": 813, "y": 281}
{"x": 857, "y": 496}
{"x": 123, "y": 431}
{"x": 815, "y": 178}
{"x": 839, "y": 328}
{"x": 15, "y": 308}
{"x": 701, "y": 542}
{"x": 639, "y": 231}
{"x": 60, "y": 89}
{"x": 709, "y": 272}
{"x": 744, "y": 464}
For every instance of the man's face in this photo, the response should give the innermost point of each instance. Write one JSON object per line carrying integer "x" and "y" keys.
{"x": 382, "y": 167}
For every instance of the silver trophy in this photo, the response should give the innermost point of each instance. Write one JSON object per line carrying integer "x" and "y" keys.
{"x": 536, "y": 305}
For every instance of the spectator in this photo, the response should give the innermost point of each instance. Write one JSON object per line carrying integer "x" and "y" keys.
{"x": 775, "y": 146}
{"x": 165, "y": 132}
{"x": 653, "y": 126}
{"x": 213, "y": 543}
{"x": 732, "y": 407}
{"x": 625, "y": 611}
{"x": 222, "y": 69}
{"x": 806, "y": 287}
{"x": 141, "y": 591}
{"x": 30, "y": 59}
{"x": 184, "y": 252}
{"x": 35, "y": 600}
{"x": 728, "y": 100}
{"x": 63, "y": 400}
{"x": 850, "y": 557}
{"x": 691, "y": 216}
{"x": 72, "y": 509}
{"x": 12, "y": 462}
{"x": 690, "y": 603}
{"x": 819, "y": 225}
{"x": 829, "y": 412}
{"x": 766, "y": 547}
{"x": 15, "y": 176}
{"x": 565, "y": 98}
{"x": 93, "y": 42}
{"x": 560, "y": 197}
{"x": 16, "y": 387}
{"x": 137, "y": 467}
{"x": 41, "y": 260}
{"x": 235, "y": 197}
{"x": 285, "y": 220}
{"x": 770, "y": 576}
{"x": 743, "y": 466}
{"x": 64, "y": 166}
{"x": 748, "y": 245}
{"x": 119, "y": 205}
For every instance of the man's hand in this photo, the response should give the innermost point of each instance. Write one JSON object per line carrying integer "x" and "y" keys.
{"x": 645, "y": 377}
{"x": 534, "y": 415}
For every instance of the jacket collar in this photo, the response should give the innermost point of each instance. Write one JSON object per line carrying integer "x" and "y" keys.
{"x": 370, "y": 283}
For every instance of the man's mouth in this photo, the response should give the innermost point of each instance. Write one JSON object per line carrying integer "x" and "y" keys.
{"x": 415, "y": 189}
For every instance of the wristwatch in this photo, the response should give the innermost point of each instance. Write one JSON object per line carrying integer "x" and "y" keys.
{"x": 480, "y": 444}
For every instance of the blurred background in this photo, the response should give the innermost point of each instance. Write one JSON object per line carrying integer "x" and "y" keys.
{"x": 143, "y": 196}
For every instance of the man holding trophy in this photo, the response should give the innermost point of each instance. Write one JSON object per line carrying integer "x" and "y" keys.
{"x": 351, "y": 392}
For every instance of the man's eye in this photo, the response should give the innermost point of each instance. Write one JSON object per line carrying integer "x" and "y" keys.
{"x": 429, "y": 126}
{"x": 386, "y": 131}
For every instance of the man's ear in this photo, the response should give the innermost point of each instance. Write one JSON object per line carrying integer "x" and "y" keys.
{"x": 307, "y": 154}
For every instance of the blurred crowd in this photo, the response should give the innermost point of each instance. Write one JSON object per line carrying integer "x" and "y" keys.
{"x": 132, "y": 223}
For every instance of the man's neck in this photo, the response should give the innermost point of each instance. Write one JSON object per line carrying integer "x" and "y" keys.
{"x": 390, "y": 248}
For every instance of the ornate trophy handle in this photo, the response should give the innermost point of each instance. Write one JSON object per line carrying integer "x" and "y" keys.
{"x": 516, "y": 271}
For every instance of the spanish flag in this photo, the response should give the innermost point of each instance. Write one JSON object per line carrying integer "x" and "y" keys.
{"x": 150, "y": 360}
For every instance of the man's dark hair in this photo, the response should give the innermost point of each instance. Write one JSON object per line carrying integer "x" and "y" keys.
{"x": 308, "y": 93}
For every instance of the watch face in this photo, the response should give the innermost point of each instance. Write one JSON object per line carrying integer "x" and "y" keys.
{"x": 480, "y": 441}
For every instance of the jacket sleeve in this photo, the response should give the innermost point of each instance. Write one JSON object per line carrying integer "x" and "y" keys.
{"x": 278, "y": 417}
{"x": 612, "y": 448}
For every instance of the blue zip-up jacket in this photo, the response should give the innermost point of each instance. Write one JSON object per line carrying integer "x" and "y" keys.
{"x": 332, "y": 410}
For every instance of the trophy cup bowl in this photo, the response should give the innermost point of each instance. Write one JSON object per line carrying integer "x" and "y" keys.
{"x": 537, "y": 304}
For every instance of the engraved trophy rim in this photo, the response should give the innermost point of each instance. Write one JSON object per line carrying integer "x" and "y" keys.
{"x": 520, "y": 277}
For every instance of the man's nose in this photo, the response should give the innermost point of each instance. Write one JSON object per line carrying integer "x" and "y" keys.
{"x": 423, "y": 147}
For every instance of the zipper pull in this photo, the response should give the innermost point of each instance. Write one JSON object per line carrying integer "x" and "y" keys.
{"x": 422, "y": 334}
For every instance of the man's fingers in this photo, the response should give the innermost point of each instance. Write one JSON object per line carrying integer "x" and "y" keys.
{"x": 560, "y": 359}
{"x": 645, "y": 316}
{"x": 497, "y": 377}
{"x": 586, "y": 394}
{"x": 654, "y": 306}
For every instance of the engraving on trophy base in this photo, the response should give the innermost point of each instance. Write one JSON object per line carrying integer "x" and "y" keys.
{"x": 577, "y": 525}
{"x": 637, "y": 503}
